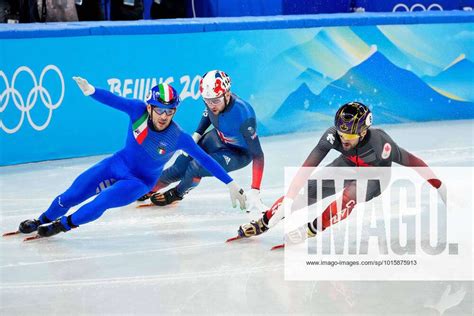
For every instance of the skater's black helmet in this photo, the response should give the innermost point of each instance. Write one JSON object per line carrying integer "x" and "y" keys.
{"x": 353, "y": 118}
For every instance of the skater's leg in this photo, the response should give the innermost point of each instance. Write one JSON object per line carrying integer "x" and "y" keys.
{"x": 209, "y": 143}
{"x": 122, "y": 193}
{"x": 90, "y": 182}
{"x": 173, "y": 173}
{"x": 87, "y": 184}
{"x": 334, "y": 214}
{"x": 229, "y": 159}
{"x": 277, "y": 212}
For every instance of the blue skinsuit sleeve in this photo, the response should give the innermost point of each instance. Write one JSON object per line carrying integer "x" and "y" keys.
{"x": 133, "y": 107}
{"x": 204, "y": 123}
{"x": 249, "y": 132}
{"x": 189, "y": 146}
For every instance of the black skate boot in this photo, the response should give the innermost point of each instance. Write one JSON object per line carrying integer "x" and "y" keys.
{"x": 166, "y": 198}
{"x": 51, "y": 229}
{"x": 146, "y": 196}
{"x": 28, "y": 226}
{"x": 254, "y": 228}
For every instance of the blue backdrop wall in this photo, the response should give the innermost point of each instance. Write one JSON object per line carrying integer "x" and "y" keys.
{"x": 406, "y": 67}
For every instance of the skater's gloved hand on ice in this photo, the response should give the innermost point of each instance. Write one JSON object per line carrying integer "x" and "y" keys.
{"x": 254, "y": 203}
{"x": 442, "y": 192}
{"x": 237, "y": 193}
{"x": 86, "y": 88}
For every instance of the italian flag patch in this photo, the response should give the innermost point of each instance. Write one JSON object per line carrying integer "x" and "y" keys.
{"x": 166, "y": 92}
{"x": 140, "y": 128}
{"x": 161, "y": 151}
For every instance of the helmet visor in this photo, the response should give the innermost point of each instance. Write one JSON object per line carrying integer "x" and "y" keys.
{"x": 160, "y": 111}
{"x": 214, "y": 101}
{"x": 346, "y": 136}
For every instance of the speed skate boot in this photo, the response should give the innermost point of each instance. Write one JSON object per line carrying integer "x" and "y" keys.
{"x": 299, "y": 235}
{"x": 166, "y": 198}
{"x": 254, "y": 228}
{"x": 28, "y": 226}
{"x": 62, "y": 224}
{"x": 31, "y": 225}
{"x": 146, "y": 196}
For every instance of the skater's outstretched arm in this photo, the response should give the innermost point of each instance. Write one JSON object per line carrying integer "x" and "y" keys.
{"x": 203, "y": 126}
{"x": 277, "y": 211}
{"x": 190, "y": 147}
{"x": 249, "y": 132}
{"x": 133, "y": 107}
{"x": 407, "y": 159}
{"x": 313, "y": 160}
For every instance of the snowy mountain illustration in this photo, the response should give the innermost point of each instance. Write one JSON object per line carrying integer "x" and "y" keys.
{"x": 300, "y": 101}
{"x": 311, "y": 74}
{"x": 372, "y": 35}
{"x": 456, "y": 80}
{"x": 395, "y": 95}
{"x": 300, "y": 110}
{"x": 314, "y": 79}
{"x": 331, "y": 51}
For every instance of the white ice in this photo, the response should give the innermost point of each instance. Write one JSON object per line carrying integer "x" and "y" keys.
{"x": 175, "y": 260}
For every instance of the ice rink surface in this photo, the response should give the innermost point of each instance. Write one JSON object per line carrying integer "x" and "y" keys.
{"x": 174, "y": 260}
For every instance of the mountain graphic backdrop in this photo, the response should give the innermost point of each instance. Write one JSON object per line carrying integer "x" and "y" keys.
{"x": 372, "y": 35}
{"x": 395, "y": 95}
{"x": 456, "y": 81}
{"x": 332, "y": 51}
{"x": 315, "y": 80}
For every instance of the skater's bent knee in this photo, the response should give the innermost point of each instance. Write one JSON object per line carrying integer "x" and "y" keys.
{"x": 194, "y": 169}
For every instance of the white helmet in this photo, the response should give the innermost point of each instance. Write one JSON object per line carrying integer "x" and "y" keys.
{"x": 214, "y": 84}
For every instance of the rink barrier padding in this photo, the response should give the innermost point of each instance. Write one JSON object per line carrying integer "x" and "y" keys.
{"x": 104, "y": 28}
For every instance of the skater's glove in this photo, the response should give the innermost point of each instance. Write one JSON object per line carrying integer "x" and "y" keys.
{"x": 237, "y": 193}
{"x": 254, "y": 203}
{"x": 85, "y": 86}
{"x": 442, "y": 192}
{"x": 196, "y": 137}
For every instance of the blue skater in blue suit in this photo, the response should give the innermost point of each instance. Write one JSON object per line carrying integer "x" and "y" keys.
{"x": 131, "y": 172}
{"x": 232, "y": 141}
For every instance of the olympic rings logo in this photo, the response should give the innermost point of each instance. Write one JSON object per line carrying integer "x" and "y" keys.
{"x": 25, "y": 106}
{"x": 417, "y": 7}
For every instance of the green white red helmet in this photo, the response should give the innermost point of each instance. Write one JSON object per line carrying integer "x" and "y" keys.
{"x": 214, "y": 84}
{"x": 163, "y": 95}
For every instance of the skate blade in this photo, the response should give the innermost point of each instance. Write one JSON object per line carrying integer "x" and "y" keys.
{"x": 278, "y": 247}
{"x": 234, "y": 238}
{"x": 169, "y": 206}
{"x": 32, "y": 238}
{"x": 145, "y": 205}
{"x": 142, "y": 202}
{"x": 11, "y": 233}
